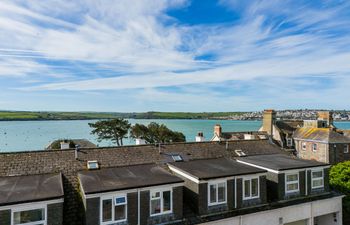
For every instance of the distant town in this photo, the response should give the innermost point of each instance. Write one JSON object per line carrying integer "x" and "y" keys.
{"x": 299, "y": 114}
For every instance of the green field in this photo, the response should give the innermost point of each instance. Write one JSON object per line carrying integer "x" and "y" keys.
{"x": 26, "y": 115}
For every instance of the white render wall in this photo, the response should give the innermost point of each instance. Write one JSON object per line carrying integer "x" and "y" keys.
{"x": 290, "y": 214}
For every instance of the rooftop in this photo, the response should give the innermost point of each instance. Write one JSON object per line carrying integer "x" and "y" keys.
{"x": 22, "y": 189}
{"x": 215, "y": 168}
{"x": 327, "y": 135}
{"x": 122, "y": 178}
{"x": 280, "y": 162}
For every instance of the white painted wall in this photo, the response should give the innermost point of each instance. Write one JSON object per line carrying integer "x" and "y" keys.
{"x": 301, "y": 214}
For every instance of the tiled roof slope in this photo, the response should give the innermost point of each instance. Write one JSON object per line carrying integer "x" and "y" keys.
{"x": 326, "y": 135}
{"x": 42, "y": 162}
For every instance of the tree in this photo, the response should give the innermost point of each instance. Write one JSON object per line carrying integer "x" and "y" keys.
{"x": 156, "y": 133}
{"x": 114, "y": 130}
{"x": 340, "y": 180}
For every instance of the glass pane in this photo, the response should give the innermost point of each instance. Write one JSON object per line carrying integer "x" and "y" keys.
{"x": 155, "y": 206}
{"x": 107, "y": 210}
{"x": 119, "y": 212}
{"x": 292, "y": 177}
{"x": 317, "y": 183}
{"x": 166, "y": 201}
{"x": 120, "y": 200}
{"x": 247, "y": 188}
{"x": 292, "y": 187}
{"x": 221, "y": 192}
{"x": 317, "y": 174}
{"x": 155, "y": 195}
{"x": 255, "y": 187}
{"x": 212, "y": 193}
{"x": 29, "y": 216}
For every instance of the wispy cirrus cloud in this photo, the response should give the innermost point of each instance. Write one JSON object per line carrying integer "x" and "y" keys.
{"x": 83, "y": 46}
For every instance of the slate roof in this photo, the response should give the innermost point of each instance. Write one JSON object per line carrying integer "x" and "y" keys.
{"x": 215, "y": 168}
{"x": 123, "y": 178}
{"x": 280, "y": 162}
{"x": 42, "y": 162}
{"x": 83, "y": 143}
{"x": 326, "y": 135}
{"x": 22, "y": 189}
{"x": 240, "y": 135}
{"x": 288, "y": 127}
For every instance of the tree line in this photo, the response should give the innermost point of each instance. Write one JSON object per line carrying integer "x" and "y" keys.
{"x": 116, "y": 130}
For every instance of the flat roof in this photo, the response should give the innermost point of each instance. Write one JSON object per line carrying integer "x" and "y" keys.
{"x": 215, "y": 168}
{"x": 280, "y": 162}
{"x": 123, "y": 178}
{"x": 33, "y": 188}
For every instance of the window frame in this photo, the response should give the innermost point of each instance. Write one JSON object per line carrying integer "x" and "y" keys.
{"x": 313, "y": 147}
{"x": 291, "y": 182}
{"x": 250, "y": 184}
{"x": 319, "y": 178}
{"x": 216, "y": 183}
{"x": 28, "y": 208}
{"x": 113, "y": 198}
{"x": 346, "y": 149}
{"x": 289, "y": 142}
{"x": 161, "y": 192}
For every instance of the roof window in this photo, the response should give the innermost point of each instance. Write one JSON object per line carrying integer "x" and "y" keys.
{"x": 177, "y": 158}
{"x": 92, "y": 165}
{"x": 239, "y": 152}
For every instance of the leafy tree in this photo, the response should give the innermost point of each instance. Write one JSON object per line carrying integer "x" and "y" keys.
{"x": 340, "y": 180}
{"x": 156, "y": 133}
{"x": 114, "y": 130}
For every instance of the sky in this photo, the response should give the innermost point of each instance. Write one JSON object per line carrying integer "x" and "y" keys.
{"x": 174, "y": 55}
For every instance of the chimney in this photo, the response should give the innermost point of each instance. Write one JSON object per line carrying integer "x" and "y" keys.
{"x": 76, "y": 152}
{"x": 325, "y": 116}
{"x": 64, "y": 144}
{"x": 200, "y": 137}
{"x": 217, "y": 130}
{"x": 269, "y": 119}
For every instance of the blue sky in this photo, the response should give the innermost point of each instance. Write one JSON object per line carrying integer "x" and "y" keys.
{"x": 174, "y": 55}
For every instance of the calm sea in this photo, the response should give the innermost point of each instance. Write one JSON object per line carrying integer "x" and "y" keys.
{"x": 36, "y": 135}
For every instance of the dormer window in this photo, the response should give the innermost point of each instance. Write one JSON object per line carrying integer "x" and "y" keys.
{"x": 251, "y": 188}
{"x": 317, "y": 179}
{"x": 292, "y": 182}
{"x": 289, "y": 142}
{"x": 216, "y": 193}
{"x": 314, "y": 147}
{"x": 113, "y": 209}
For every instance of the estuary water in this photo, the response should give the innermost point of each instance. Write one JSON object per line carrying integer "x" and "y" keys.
{"x": 36, "y": 135}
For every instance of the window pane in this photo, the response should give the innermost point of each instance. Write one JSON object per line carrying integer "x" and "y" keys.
{"x": 155, "y": 195}
{"x": 221, "y": 192}
{"x": 247, "y": 188}
{"x": 317, "y": 174}
{"x": 120, "y": 200}
{"x": 212, "y": 193}
{"x": 292, "y": 187}
{"x": 119, "y": 212}
{"x": 317, "y": 183}
{"x": 166, "y": 201}
{"x": 155, "y": 206}
{"x": 29, "y": 216}
{"x": 292, "y": 177}
{"x": 255, "y": 187}
{"x": 107, "y": 210}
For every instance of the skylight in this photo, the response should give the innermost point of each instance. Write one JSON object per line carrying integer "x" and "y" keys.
{"x": 239, "y": 152}
{"x": 177, "y": 158}
{"x": 92, "y": 165}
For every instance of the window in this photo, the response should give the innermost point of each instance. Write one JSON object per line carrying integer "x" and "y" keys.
{"x": 303, "y": 145}
{"x": 177, "y": 158}
{"x": 239, "y": 152}
{"x": 346, "y": 148}
{"x": 29, "y": 217}
{"x": 314, "y": 147}
{"x": 289, "y": 142}
{"x": 317, "y": 179}
{"x": 161, "y": 202}
{"x": 292, "y": 182}
{"x": 114, "y": 209}
{"x": 217, "y": 193}
{"x": 92, "y": 165}
{"x": 251, "y": 188}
